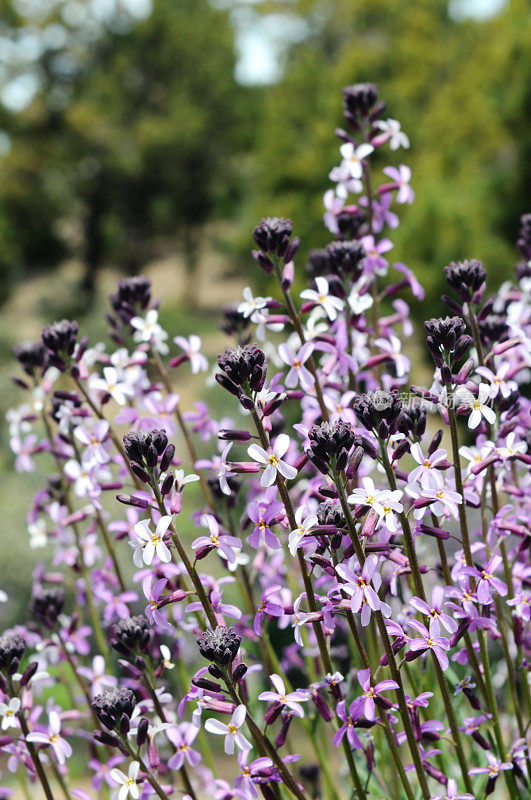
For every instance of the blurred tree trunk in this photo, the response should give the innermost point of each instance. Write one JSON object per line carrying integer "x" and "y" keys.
{"x": 94, "y": 243}
{"x": 191, "y": 264}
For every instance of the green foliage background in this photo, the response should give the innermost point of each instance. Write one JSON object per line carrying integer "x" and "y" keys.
{"x": 140, "y": 138}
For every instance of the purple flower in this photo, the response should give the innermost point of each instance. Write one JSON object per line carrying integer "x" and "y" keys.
{"x": 290, "y": 700}
{"x": 452, "y": 793}
{"x": 488, "y": 583}
{"x": 267, "y": 606}
{"x": 426, "y": 642}
{"x": 374, "y": 261}
{"x": 347, "y": 728}
{"x": 366, "y": 703}
{"x": 263, "y": 515}
{"x": 435, "y": 612}
{"x": 60, "y": 746}
{"x": 153, "y": 589}
{"x": 401, "y": 178}
{"x": 298, "y": 372}
{"x": 183, "y": 736}
{"x": 361, "y": 591}
{"x": 224, "y": 543}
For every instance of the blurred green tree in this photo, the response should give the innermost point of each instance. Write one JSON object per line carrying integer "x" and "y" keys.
{"x": 132, "y": 134}
{"x": 461, "y": 89}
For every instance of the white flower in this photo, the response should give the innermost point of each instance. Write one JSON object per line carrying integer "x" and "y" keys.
{"x": 477, "y": 404}
{"x": 192, "y": 347}
{"x": 37, "y": 533}
{"x": 397, "y": 138}
{"x": 321, "y": 297}
{"x": 181, "y": 479}
{"x": 166, "y": 657}
{"x": 8, "y": 712}
{"x": 231, "y": 731}
{"x": 511, "y": 448}
{"x": 152, "y": 542}
{"x": 82, "y": 476}
{"x": 251, "y": 304}
{"x": 304, "y": 527}
{"x": 273, "y": 460}
{"x": 149, "y": 330}
{"x": 353, "y": 158}
{"x": 359, "y": 301}
{"x": 127, "y": 783}
{"x": 111, "y": 384}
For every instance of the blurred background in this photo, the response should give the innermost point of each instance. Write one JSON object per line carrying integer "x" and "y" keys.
{"x": 151, "y": 135}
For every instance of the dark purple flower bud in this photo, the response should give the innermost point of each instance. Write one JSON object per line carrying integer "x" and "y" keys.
{"x": 142, "y": 732}
{"x": 12, "y": 648}
{"x": 31, "y": 356}
{"x": 107, "y": 739}
{"x": 460, "y": 632}
{"x": 345, "y": 257}
{"x": 435, "y": 773}
{"x": 274, "y": 404}
{"x": 374, "y": 408}
{"x": 124, "y": 725}
{"x": 29, "y": 672}
{"x": 113, "y": 705}
{"x": 272, "y": 714}
{"x": 46, "y": 605}
{"x": 452, "y": 305}
{"x": 167, "y": 458}
{"x": 330, "y": 443}
{"x": 243, "y": 367}
{"x": 239, "y": 673}
{"x": 358, "y": 101}
{"x": 234, "y": 436}
{"x": 131, "y": 635}
{"x": 219, "y": 646}
{"x": 466, "y": 278}
{"x": 60, "y": 337}
{"x": 131, "y": 500}
{"x": 140, "y": 472}
{"x": 272, "y": 235}
{"x": 167, "y": 484}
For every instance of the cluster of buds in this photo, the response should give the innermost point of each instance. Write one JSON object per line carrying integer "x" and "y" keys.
{"x": 31, "y": 357}
{"x": 345, "y": 257}
{"x": 467, "y": 279}
{"x": 272, "y": 236}
{"x": 114, "y": 708}
{"x": 243, "y": 372}
{"x": 12, "y": 648}
{"x": 147, "y": 450}
{"x": 59, "y": 339}
{"x": 46, "y": 606}
{"x": 358, "y": 104}
{"x": 132, "y": 297}
{"x": 330, "y": 445}
{"x": 448, "y": 343}
{"x": 131, "y": 636}
{"x": 379, "y": 412}
{"x": 219, "y": 646}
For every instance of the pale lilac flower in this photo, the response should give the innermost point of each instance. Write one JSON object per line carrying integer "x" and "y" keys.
{"x": 8, "y": 712}
{"x": 224, "y": 543}
{"x": 401, "y": 177}
{"x": 117, "y": 606}
{"x": 360, "y": 588}
{"x": 446, "y": 502}
{"x": 267, "y": 606}
{"x": 426, "y": 641}
{"x": 435, "y": 611}
{"x": 298, "y": 372}
{"x": 147, "y": 329}
{"x": 452, "y": 793}
{"x": 360, "y": 299}
{"x": 24, "y": 449}
{"x": 83, "y": 477}
{"x": 347, "y": 728}
{"x": 182, "y": 737}
{"x": 495, "y": 766}
{"x": 353, "y": 158}
{"x": 290, "y": 700}
{"x": 498, "y": 384}
{"x": 427, "y": 473}
{"x": 112, "y": 384}
{"x": 263, "y": 515}
{"x": 60, "y": 746}
{"x": 224, "y": 470}
{"x": 395, "y": 136}
{"x": 377, "y": 499}
{"x": 511, "y": 449}
{"x": 273, "y": 460}
{"x": 305, "y": 522}
{"x": 251, "y": 304}
{"x": 232, "y": 732}
{"x": 392, "y": 347}
{"x": 127, "y": 783}
{"x": 95, "y": 452}
{"x": 299, "y": 619}
{"x": 320, "y": 297}
{"x": 381, "y": 214}
{"x": 478, "y": 405}
{"x": 333, "y": 205}
{"x": 365, "y": 704}
{"x": 374, "y": 260}
{"x": 152, "y": 542}
{"x": 96, "y": 676}
{"x": 192, "y": 348}
{"x": 487, "y": 581}
{"x": 153, "y": 589}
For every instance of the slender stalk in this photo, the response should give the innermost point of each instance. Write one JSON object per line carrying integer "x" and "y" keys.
{"x": 32, "y": 750}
